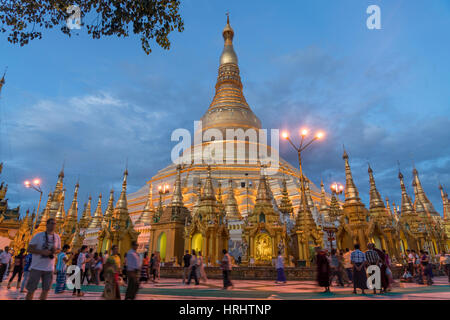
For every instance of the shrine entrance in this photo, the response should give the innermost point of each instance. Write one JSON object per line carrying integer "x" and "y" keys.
{"x": 197, "y": 242}
{"x": 161, "y": 245}
{"x": 263, "y": 248}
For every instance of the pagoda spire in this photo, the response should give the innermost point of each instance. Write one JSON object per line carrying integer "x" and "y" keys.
{"x": 351, "y": 192}
{"x": 73, "y": 210}
{"x": 229, "y": 98}
{"x": 324, "y": 209}
{"x": 231, "y": 207}
{"x": 286, "y": 203}
{"x": 122, "y": 202}
{"x": 208, "y": 189}
{"x": 61, "y": 214}
{"x": 96, "y": 221}
{"x": 262, "y": 195}
{"x": 419, "y": 193}
{"x": 109, "y": 211}
{"x": 375, "y": 197}
{"x": 177, "y": 198}
{"x": 309, "y": 199}
{"x": 445, "y": 203}
{"x": 406, "y": 200}
{"x": 45, "y": 215}
{"x": 146, "y": 215}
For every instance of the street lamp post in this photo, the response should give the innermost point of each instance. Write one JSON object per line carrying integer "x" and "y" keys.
{"x": 35, "y": 185}
{"x": 303, "y": 253}
{"x": 336, "y": 189}
{"x": 299, "y": 150}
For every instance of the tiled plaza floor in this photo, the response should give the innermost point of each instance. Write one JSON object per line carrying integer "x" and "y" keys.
{"x": 170, "y": 289}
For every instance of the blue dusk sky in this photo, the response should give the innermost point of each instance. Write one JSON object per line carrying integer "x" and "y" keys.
{"x": 383, "y": 93}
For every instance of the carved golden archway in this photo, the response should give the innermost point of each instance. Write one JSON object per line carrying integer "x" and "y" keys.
{"x": 263, "y": 248}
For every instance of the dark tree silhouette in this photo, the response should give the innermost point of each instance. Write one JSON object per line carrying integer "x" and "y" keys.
{"x": 25, "y": 20}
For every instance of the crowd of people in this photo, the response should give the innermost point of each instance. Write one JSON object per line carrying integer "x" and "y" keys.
{"x": 44, "y": 257}
{"x": 351, "y": 267}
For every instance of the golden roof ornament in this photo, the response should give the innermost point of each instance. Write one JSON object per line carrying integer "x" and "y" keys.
{"x": 96, "y": 221}
{"x": 229, "y": 109}
{"x": 375, "y": 197}
{"x": 146, "y": 215}
{"x": 285, "y": 203}
{"x": 177, "y": 197}
{"x": 351, "y": 192}
{"x": 208, "y": 189}
{"x": 109, "y": 211}
{"x": 420, "y": 194}
{"x": 231, "y": 207}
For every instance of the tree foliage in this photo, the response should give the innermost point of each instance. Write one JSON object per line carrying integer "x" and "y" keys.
{"x": 25, "y": 20}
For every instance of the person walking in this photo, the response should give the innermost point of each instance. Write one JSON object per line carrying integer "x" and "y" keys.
{"x": 5, "y": 258}
{"x": 124, "y": 269}
{"x": 157, "y": 267}
{"x": 335, "y": 267}
{"x": 383, "y": 269}
{"x": 411, "y": 257}
{"x": 62, "y": 259}
{"x": 44, "y": 246}
{"x": 98, "y": 267}
{"x": 281, "y": 278}
{"x": 145, "y": 268}
{"x": 81, "y": 263}
{"x": 342, "y": 271}
{"x": 26, "y": 271}
{"x": 111, "y": 273}
{"x": 427, "y": 268}
{"x": 88, "y": 272}
{"x": 226, "y": 270}
{"x": 201, "y": 268}
{"x": 186, "y": 261}
{"x": 348, "y": 264}
{"x": 133, "y": 267}
{"x": 358, "y": 260}
{"x": 372, "y": 259}
{"x": 323, "y": 269}
{"x": 193, "y": 269}
{"x": 444, "y": 263}
{"x": 19, "y": 263}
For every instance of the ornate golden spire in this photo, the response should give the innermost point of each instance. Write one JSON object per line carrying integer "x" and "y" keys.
{"x": 445, "y": 203}
{"x": 229, "y": 109}
{"x": 86, "y": 217}
{"x": 96, "y": 221}
{"x": 309, "y": 199}
{"x": 262, "y": 195}
{"x": 208, "y": 189}
{"x": 109, "y": 211}
{"x": 45, "y": 215}
{"x": 324, "y": 209}
{"x": 286, "y": 203}
{"x": 231, "y": 207}
{"x": 375, "y": 197}
{"x": 122, "y": 202}
{"x": 73, "y": 210}
{"x": 177, "y": 197}
{"x": 420, "y": 194}
{"x": 61, "y": 214}
{"x": 351, "y": 192}
{"x": 147, "y": 214}
{"x": 406, "y": 200}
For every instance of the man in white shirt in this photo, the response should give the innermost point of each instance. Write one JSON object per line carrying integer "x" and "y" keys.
{"x": 5, "y": 258}
{"x": 44, "y": 247}
{"x": 133, "y": 268}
